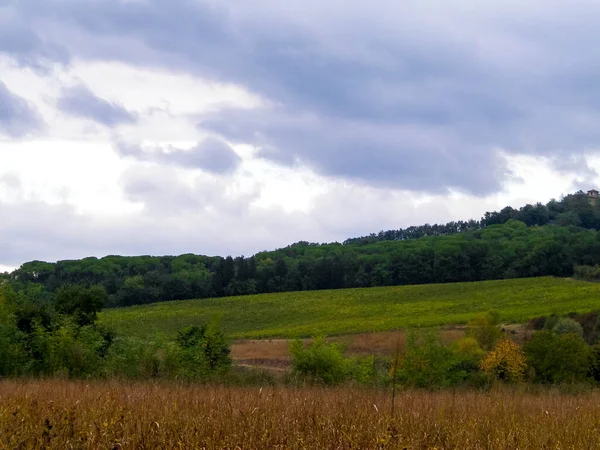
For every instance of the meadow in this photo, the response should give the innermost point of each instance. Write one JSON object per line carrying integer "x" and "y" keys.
{"x": 116, "y": 415}
{"x": 349, "y": 311}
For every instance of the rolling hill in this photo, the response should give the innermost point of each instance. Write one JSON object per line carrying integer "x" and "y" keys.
{"x": 347, "y": 311}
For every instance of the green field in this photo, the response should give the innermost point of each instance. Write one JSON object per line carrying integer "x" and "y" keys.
{"x": 346, "y": 311}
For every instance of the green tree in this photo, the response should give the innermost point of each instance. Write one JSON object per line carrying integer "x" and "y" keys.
{"x": 566, "y": 325}
{"x": 205, "y": 349}
{"x": 83, "y": 304}
{"x": 485, "y": 329}
{"x": 427, "y": 363}
{"x": 319, "y": 361}
{"x": 558, "y": 358}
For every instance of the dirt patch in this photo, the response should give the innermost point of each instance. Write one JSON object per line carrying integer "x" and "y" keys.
{"x": 275, "y": 352}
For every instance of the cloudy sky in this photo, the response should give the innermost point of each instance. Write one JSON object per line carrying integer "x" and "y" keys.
{"x": 167, "y": 127}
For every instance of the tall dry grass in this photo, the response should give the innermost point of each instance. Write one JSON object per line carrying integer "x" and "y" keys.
{"x": 116, "y": 415}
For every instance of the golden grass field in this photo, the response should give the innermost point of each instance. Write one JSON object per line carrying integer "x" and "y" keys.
{"x": 118, "y": 415}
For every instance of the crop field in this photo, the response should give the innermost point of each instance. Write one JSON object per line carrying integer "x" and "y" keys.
{"x": 113, "y": 415}
{"x": 348, "y": 311}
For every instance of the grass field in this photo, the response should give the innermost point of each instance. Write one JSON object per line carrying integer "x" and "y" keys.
{"x": 115, "y": 415}
{"x": 347, "y": 311}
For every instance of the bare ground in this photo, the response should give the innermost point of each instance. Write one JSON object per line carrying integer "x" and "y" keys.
{"x": 274, "y": 353}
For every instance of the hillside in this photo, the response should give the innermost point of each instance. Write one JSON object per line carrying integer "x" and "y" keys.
{"x": 510, "y": 250}
{"x": 300, "y": 314}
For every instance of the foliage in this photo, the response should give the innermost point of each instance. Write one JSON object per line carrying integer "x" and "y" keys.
{"x": 568, "y": 326}
{"x": 469, "y": 353}
{"x": 589, "y": 273}
{"x": 551, "y": 321}
{"x": 319, "y": 361}
{"x": 595, "y": 363}
{"x": 304, "y": 314}
{"x": 510, "y": 244}
{"x": 485, "y": 329}
{"x": 82, "y": 304}
{"x": 43, "y": 336}
{"x": 505, "y": 362}
{"x": 205, "y": 351}
{"x": 427, "y": 363}
{"x": 590, "y": 322}
{"x": 558, "y": 358}
{"x": 324, "y": 362}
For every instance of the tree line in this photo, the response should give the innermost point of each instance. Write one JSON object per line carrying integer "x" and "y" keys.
{"x": 536, "y": 240}
{"x": 42, "y": 337}
{"x": 572, "y": 210}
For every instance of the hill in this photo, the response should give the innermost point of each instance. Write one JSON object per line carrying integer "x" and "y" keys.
{"x": 345, "y": 311}
{"x": 510, "y": 250}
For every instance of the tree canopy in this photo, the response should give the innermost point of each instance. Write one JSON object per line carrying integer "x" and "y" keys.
{"x": 535, "y": 240}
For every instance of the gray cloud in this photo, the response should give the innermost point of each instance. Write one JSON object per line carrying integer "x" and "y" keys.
{"x": 79, "y": 101}
{"x": 20, "y": 40}
{"x": 396, "y": 94}
{"x": 17, "y": 118}
{"x": 211, "y": 155}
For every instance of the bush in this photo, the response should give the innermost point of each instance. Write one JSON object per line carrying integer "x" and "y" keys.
{"x": 427, "y": 363}
{"x": 468, "y": 352}
{"x": 485, "y": 329}
{"x": 568, "y": 326}
{"x": 588, "y": 273}
{"x": 319, "y": 362}
{"x": 537, "y": 323}
{"x": 591, "y": 326}
{"x": 505, "y": 362}
{"x": 12, "y": 356}
{"x": 558, "y": 358}
{"x": 595, "y": 363}
{"x": 144, "y": 359}
{"x": 204, "y": 351}
{"x": 551, "y": 322}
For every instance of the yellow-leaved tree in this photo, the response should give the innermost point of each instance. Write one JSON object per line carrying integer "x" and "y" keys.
{"x": 506, "y": 361}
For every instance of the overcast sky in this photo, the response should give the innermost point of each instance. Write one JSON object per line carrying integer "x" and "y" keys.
{"x": 168, "y": 127}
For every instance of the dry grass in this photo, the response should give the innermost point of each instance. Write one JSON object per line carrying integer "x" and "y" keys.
{"x": 112, "y": 415}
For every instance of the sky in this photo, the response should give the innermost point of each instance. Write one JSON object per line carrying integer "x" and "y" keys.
{"x": 226, "y": 128}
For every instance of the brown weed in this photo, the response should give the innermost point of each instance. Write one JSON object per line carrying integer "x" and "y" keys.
{"x": 122, "y": 415}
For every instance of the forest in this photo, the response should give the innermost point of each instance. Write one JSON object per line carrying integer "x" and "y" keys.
{"x": 535, "y": 240}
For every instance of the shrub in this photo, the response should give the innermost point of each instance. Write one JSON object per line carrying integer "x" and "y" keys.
{"x": 568, "y": 326}
{"x": 589, "y": 273}
{"x": 362, "y": 369}
{"x": 595, "y": 363}
{"x": 485, "y": 329}
{"x": 551, "y": 322}
{"x": 12, "y": 356}
{"x": 204, "y": 351}
{"x": 143, "y": 359}
{"x": 320, "y": 361}
{"x": 537, "y": 323}
{"x": 591, "y": 326}
{"x": 505, "y": 362}
{"x": 558, "y": 358}
{"x": 469, "y": 353}
{"x": 427, "y": 363}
